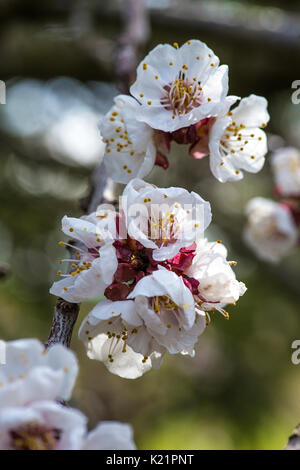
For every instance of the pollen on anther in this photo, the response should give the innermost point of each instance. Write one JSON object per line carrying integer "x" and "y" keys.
{"x": 144, "y": 66}
{"x": 141, "y": 95}
{"x": 149, "y": 102}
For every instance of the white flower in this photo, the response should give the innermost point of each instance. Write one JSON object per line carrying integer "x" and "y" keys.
{"x": 167, "y": 308}
{"x": 42, "y": 425}
{"x": 130, "y": 337}
{"x": 31, "y": 381}
{"x": 236, "y": 141}
{"x": 130, "y": 150}
{"x": 218, "y": 285}
{"x": 177, "y": 87}
{"x": 95, "y": 262}
{"x": 168, "y": 218}
{"x": 32, "y": 373}
{"x": 286, "y": 167}
{"x": 270, "y": 231}
{"x": 110, "y": 332}
{"x": 46, "y": 425}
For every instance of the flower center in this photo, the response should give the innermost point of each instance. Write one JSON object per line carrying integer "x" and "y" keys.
{"x": 163, "y": 302}
{"x": 139, "y": 261}
{"x": 34, "y": 436}
{"x": 163, "y": 228}
{"x": 182, "y": 95}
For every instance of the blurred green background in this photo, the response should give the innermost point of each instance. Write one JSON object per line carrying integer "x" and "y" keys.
{"x": 241, "y": 391}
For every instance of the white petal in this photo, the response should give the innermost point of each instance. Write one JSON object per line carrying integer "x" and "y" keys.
{"x": 81, "y": 230}
{"x": 217, "y": 281}
{"x": 251, "y": 111}
{"x": 286, "y": 166}
{"x": 130, "y": 150}
{"x": 110, "y": 435}
{"x": 91, "y": 282}
{"x": 60, "y": 358}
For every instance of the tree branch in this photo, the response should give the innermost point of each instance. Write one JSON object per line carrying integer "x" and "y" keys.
{"x": 136, "y": 31}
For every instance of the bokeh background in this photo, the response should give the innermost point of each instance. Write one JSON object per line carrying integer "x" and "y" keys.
{"x": 241, "y": 391}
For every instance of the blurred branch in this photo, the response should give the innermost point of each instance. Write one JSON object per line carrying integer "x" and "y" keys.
{"x": 135, "y": 33}
{"x": 4, "y": 270}
{"x": 294, "y": 440}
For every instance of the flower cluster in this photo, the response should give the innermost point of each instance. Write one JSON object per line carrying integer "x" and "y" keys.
{"x": 160, "y": 278}
{"x": 31, "y": 417}
{"x": 180, "y": 94}
{"x": 272, "y": 229}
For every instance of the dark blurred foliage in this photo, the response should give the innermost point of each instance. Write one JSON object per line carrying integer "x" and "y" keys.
{"x": 241, "y": 390}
